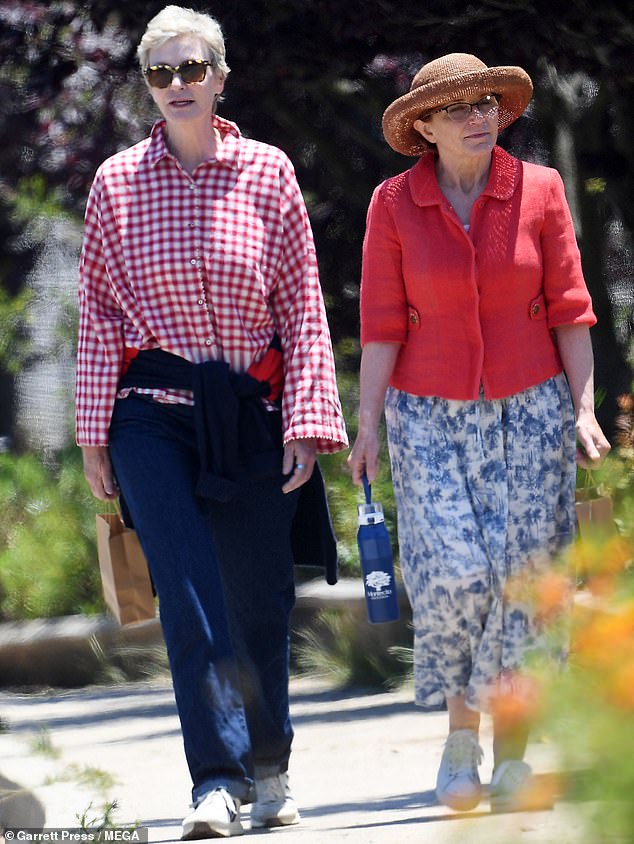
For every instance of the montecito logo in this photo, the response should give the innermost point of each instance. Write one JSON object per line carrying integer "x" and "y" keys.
{"x": 378, "y": 580}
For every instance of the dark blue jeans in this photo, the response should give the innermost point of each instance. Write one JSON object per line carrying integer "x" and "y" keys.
{"x": 224, "y": 577}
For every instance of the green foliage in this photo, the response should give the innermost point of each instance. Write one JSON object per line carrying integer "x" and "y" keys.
{"x": 34, "y": 199}
{"x": 343, "y": 647}
{"x": 15, "y": 345}
{"x": 42, "y": 744}
{"x": 91, "y": 822}
{"x": 87, "y": 776}
{"x": 616, "y": 478}
{"x": 129, "y": 663}
{"x": 47, "y": 538}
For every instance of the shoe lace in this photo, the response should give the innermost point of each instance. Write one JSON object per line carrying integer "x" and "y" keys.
{"x": 272, "y": 788}
{"x": 463, "y": 751}
{"x": 223, "y": 794}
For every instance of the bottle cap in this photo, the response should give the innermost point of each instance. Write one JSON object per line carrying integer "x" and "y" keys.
{"x": 370, "y": 514}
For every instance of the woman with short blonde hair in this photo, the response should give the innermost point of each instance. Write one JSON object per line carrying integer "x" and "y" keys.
{"x": 206, "y": 387}
{"x": 176, "y": 20}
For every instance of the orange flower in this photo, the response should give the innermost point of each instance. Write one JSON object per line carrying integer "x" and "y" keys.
{"x": 600, "y": 561}
{"x": 553, "y": 594}
{"x": 616, "y": 555}
{"x": 607, "y": 637}
{"x": 620, "y": 690}
{"x": 517, "y": 701}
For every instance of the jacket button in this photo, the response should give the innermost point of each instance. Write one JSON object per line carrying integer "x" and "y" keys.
{"x": 413, "y": 318}
{"x": 535, "y": 309}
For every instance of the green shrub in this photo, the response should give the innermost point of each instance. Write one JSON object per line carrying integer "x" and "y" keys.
{"x": 342, "y": 647}
{"x": 48, "y": 561}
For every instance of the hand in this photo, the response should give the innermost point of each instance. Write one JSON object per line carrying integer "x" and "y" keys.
{"x": 98, "y": 472}
{"x": 593, "y": 445}
{"x": 299, "y": 458}
{"x": 364, "y": 457}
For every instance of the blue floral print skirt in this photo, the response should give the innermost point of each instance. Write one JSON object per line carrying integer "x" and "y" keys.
{"x": 484, "y": 494}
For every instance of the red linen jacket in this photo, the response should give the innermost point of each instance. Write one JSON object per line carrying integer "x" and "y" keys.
{"x": 472, "y": 308}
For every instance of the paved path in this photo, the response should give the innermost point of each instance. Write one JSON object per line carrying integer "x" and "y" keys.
{"x": 363, "y": 767}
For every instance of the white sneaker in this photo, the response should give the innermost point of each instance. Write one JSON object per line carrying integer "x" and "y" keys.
{"x": 274, "y": 804}
{"x": 514, "y": 789}
{"x": 217, "y": 815}
{"x": 458, "y": 783}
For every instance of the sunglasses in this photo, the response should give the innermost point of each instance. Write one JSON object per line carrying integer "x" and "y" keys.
{"x": 461, "y": 112}
{"x": 190, "y": 71}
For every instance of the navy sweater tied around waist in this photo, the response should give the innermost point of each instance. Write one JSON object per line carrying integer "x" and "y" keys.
{"x": 240, "y": 442}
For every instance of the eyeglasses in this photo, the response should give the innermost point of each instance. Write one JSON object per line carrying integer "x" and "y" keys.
{"x": 190, "y": 71}
{"x": 461, "y": 112}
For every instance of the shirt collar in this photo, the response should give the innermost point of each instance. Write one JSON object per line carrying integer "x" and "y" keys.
{"x": 228, "y": 151}
{"x": 503, "y": 178}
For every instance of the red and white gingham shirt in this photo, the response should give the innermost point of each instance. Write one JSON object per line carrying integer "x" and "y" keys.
{"x": 206, "y": 267}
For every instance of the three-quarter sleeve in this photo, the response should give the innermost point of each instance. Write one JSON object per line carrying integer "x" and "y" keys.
{"x": 565, "y": 291}
{"x": 383, "y": 304}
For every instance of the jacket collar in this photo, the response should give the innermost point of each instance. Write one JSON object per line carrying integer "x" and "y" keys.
{"x": 228, "y": 153}
{"x": 503, "y": 178}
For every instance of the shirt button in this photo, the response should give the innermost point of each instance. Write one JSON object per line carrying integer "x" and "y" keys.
{"x": 194, "y": 262}
{"x": 201, "y": 301}
{"x": 208, "y": 342}
{"x": 192, "y": 186}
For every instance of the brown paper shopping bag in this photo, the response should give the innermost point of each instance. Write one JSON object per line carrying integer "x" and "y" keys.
{"x": 127, "y": 588}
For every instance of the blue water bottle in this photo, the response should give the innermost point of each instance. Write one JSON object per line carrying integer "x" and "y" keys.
{"x": 375, "y": 551}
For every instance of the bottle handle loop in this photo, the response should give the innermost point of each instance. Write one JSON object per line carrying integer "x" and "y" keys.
{"x": 367, "y": 488}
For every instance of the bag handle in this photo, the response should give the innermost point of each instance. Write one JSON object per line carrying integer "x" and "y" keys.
{"x": 367, "y": 488}
{"x": 589, "y": 480}
{"x": 112, "y": 507}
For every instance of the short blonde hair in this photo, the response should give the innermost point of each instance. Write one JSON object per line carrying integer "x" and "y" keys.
{"x": 177, "y": 20}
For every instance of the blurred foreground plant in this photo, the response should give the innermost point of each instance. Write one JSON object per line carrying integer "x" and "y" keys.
{"x": 47, "y": 538}
{"x": 589, "y": 707}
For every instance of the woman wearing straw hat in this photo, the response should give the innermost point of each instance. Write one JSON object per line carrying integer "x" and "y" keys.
{"x": 475, "y": 331}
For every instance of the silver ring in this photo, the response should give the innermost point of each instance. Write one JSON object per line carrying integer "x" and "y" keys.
{"x": 300, "y": 465}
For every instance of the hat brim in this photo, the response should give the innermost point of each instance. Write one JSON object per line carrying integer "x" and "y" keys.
{"x": 512, "y": 84}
